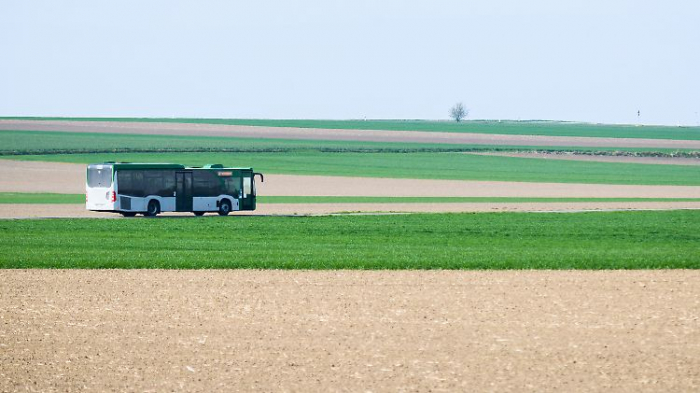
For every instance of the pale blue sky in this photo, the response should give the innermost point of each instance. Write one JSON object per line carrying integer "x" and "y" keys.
{"x": 593, "y": 60}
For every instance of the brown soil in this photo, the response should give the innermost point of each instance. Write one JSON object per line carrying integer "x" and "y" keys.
{"x": 30, "y": 176}
{"x": 131, "y": 330}
{"x": 332, "y": 134}
{"x": 597, "y": 158}
{"x": 9, "y": 211}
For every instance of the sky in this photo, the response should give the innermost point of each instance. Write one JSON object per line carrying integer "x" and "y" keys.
{"x": 592, "y": 61}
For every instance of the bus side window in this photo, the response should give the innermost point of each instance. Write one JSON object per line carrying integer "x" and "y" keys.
{"x": 124, "y": 183}
{"x": 138, "y": 183}
{"x": 233, "y": 185}
{"x": 168, "y": 183}
{"x": 206, "y": 184}
{"x": 153, "y": 183}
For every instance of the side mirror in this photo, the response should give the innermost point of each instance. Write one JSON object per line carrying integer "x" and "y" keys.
{"x": 262, "y": 179}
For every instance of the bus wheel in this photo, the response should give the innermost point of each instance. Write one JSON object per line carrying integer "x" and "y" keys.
{"x": 153, "y": 209}
{"x": 198, "y": 214}
{"x": 224, "y": 207}
{"x": 128, "y": 214}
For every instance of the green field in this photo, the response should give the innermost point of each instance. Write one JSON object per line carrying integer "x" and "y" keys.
{"x": 31, "y": 198}
{"x": 49, "y": 198}
{"x": 549, "y": 128}
{"x": 43, "y": 142}
{"x": 618, "y": 240}
{"x": 452, "y": 166}
{"x": 28, "y": 142}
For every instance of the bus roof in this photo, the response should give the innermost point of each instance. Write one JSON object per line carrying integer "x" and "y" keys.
{"x": 139, "y": 165}
{"x": 199, "y": 168}
{"x": 143, "y": 165}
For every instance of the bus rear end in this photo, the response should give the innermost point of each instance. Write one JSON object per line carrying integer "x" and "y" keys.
{"x": 99, "y": 188}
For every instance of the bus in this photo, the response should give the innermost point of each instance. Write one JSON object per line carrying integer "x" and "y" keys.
{"x": 149, "y": 189}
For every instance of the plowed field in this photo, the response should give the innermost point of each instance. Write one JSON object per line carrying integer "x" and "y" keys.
{"x": 244, "y": 330}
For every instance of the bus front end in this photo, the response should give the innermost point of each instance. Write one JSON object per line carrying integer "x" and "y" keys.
{"x": 100, "y": 194}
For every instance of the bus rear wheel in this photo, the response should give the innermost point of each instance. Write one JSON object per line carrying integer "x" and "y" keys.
{"x": 128, "y": 214}
{"x": 152, "y": 209}
{"x": 224, "y": 207}
{"x": 198, "y": 214}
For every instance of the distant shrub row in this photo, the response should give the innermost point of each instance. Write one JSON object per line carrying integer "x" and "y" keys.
{"x": 626, "y": 153}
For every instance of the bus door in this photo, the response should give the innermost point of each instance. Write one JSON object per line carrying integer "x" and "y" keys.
{"x": 183, "y": 191}
{"x": 249, "y": 193}
{"x": 248, "y": 200}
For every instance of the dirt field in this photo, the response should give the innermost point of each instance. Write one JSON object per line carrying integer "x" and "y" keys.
{"x": 349, "y": 331}
{"x": 584, "y": 157}
{"x": 10, "y": 211}
{"x": 332, "y": 134}
{"x": 54, "y": 177}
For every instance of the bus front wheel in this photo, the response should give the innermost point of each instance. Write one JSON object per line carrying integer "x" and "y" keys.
{"x": 153, "y": 209}
{"x": 224, "y": 207}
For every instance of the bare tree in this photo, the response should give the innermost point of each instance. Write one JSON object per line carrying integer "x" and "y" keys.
{"x": 459, "y": 112}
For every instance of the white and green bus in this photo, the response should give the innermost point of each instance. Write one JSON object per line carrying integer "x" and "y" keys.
{"x": 149, "y": 189}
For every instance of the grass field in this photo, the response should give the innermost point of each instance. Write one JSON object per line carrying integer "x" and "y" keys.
{"x": 50, "y": 198}
{"x": 454, "y": 166}
{"x": 30, "y": 198}
{"x": 486, "y": 127}
{"x": 617, "y": 240}
{"x": 42, "y": 142}
{"x": 23, "y": 142}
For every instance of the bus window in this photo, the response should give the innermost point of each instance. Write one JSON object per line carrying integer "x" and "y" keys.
{"x": 138, "y": 183}
{"x": 232, "y": 186}
{"x": 131, "y": 183}
{"x": 206, "y": 184}
{"x": 168, "y": 183}
{"x": 99, "y": 177}
{"x": 124, "y": 182}
{"x": 247, "y": 186}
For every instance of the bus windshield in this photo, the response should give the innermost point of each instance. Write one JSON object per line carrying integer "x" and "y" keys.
{"x": 99, "y": 177}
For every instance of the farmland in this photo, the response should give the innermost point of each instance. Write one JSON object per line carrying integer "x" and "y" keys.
{"x": 209, "y": 330}
{"x": 456, "y": 166}
{"x": 344, "y": 134}
{"x": 317, "y": 297}
{"x": 545, "y": 128}
{"x": 54, "y": 198}
{"x": 618, "y": 240}
{"x": 305, "y": 165}
{"x": 44, "y": 142}
{"x": 51, "y": 142}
